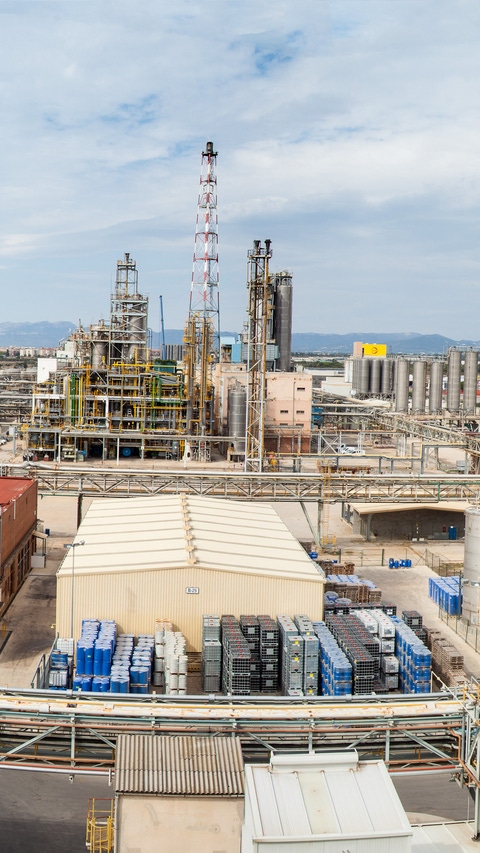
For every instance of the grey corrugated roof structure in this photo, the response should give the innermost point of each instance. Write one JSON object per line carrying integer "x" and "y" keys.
{"x": 178, "y": 766}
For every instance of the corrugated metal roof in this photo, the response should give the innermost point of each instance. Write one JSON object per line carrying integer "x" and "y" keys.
{"x": 12, "y": 487}
{"x": 314, "y": 799}
{"x": 167, "y": 765}
{"x": 172, "y": 531}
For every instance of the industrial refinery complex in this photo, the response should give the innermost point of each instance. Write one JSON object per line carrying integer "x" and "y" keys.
{"x": 227, "y": 677}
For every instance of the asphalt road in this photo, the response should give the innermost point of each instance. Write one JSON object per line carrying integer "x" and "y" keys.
{"x": 45, "y": 812}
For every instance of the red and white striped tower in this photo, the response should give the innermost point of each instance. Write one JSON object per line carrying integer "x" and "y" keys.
{"x": 203, "y": 330}
{"x": 204, "y": 301}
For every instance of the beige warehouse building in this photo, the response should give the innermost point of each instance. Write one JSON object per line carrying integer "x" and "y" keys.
{"x": 179, "y": 557}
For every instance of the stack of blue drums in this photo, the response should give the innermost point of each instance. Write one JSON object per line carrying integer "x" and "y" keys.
{"x": 414, "y": 658}
{"x": 446, "y": 593}
{"x": 142, "y": 661}
{"x": 335, "y": 668}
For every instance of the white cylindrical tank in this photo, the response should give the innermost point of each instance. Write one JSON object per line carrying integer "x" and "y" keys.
{"x": 418, "y": 391}
{"x": 376, "y": 376}
{"x": 401, "y": 385}
{"x": 453, "y": 387}
{"x": 471, "y": 572}
{"x": 387, "y": 376}
{"x": 364, "y": 385}
{"x": 435, "y": 387}
{"x": 470, "y": 382}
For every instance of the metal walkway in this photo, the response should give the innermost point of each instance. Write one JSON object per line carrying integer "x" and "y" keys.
{"x": 359, "y": 487}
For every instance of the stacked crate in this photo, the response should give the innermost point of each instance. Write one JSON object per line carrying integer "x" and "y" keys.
{"x": 211, "y": 654}
{"x": 292, "y": 655}
{"x": 250, "y": 628}
{"x": 176, "y": 663}
{"x": 162, "y": 626}
{"x": 236, "y": 679}
{"x": 60, "y": 668}
{"x": 447, "y": 661}
{"x": 389, "y": 666}
{"x": 415, "y": 659}
{"x": 269, "y": 654}
{"x": 335, "y": 668}
{"x": 412, "y": 618}
{"x": 310, "y": 656}
{"x": 361, "y": 647}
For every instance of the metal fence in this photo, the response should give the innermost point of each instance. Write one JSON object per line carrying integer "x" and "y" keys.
{"x": 470, "y": 634}
{"x": 443, "y": 568}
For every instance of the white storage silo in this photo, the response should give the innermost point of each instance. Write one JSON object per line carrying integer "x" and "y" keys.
{"x": 401, "y": 385}
{"x": 454, "y": 373}
{"x": 471, "y": 572}
{"x": 435, "y": 387}
{"x": 470, "y": 382}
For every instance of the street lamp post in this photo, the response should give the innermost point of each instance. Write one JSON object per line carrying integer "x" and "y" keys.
{"x": 71, "y": 546}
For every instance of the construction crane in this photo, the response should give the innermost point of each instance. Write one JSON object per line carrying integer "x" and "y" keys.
{"x": 259, "y": 310}
{"x": 202, "y": 334}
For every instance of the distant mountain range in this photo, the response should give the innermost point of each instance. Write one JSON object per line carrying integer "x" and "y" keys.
{"x": 45, "y": 334}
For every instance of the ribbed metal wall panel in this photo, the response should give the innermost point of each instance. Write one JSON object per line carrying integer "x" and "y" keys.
{"x": 136, "y": 599}
{"x": 387, "y": 376}
{"x": 376, "y": 375}
{"x": 453, "y": 386}
{"x": 418, "y": 390}
{"x": 435, "y": 387}
{"x": 364, "y": 383}
{"x": 470, "y": 382}
{"x": 183, "y": 765}
{"x": 401, "y": 385}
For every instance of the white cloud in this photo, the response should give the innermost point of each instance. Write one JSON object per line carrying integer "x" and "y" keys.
{"x": 347, "y": 132}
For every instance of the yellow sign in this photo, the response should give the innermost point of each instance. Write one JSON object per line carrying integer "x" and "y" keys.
{"x": 375, "y": 349}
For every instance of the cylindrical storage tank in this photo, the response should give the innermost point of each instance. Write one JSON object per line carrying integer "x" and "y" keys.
{"x": 282, "y": 320}
{"x": 357, "y": 362}
{"x": 470, "y": 382}
{"x": 376, "y": 376}
{"x": 364, "y": 384}
{"x": 387, "y": 377}
{"x": 453, "y": 386}
{"x": 237, "y": 417}
{"x": 418, "y": 391}
{"x": 471, "y": 571}
{"x": 401, "y": 385}
{"x": 435, "y": 387}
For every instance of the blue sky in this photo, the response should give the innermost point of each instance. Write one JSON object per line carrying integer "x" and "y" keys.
{"x": 348, "y": 132}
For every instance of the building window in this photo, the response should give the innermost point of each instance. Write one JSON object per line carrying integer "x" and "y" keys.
{"x": 283, "y": 424}
{"x": 284, "y": 411}
{"x": 300, "y": 411}
{"x": 300, "y": 389}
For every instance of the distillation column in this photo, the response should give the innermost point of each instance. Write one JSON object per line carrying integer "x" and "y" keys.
{"x": 470, "y": 382}
{"x": 454, "y": 365}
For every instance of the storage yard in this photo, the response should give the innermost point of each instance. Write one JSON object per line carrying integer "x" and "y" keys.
{"x": 246, "y": 565}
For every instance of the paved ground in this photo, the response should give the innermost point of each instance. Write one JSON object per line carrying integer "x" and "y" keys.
{"x": 47, "y": 813}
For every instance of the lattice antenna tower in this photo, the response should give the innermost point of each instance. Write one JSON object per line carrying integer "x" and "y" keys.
{"x": 204, "y": 296}
{"x": 258, "y": 320}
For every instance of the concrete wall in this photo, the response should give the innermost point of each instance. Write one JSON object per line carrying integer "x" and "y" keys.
{"x": 408, "y": 524}
{"x": 156, "y": 824}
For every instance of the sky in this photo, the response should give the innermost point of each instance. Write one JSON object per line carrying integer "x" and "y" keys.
{"x": 348, "y": 133}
